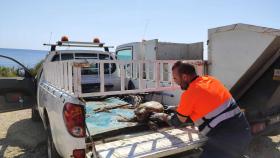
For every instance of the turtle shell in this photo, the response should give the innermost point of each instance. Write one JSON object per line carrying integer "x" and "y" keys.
{"x": 143, "y": 111}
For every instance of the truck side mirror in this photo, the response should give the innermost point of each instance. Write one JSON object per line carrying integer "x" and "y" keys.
{"x": 21, "y": 72}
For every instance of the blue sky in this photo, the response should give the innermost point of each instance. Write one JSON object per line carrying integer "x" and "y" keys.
{"x": 28, "y": 24}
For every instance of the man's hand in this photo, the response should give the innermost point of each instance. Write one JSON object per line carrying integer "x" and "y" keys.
{"x": 159, "y": 116}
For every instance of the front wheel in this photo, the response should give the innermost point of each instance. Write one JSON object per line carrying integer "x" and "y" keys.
{"x": 52, "y": 153}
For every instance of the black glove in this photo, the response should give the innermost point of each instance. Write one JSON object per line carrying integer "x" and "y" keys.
{"x": 170, "y": 109}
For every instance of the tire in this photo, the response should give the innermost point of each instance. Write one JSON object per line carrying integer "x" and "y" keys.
{"x": 35, "y": 115}
{"x": 51, "y": 150}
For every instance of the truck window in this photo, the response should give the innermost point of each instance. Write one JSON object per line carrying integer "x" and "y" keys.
{"x": 124, "y": 54}
{"x": 63, "y": 57}
{"x": 70, "y": 56}
{"x": 108, "y": 68}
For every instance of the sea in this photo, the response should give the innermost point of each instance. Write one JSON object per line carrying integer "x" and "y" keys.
{"x": 27, "y": 57}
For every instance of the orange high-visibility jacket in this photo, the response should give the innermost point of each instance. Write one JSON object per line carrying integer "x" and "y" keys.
{"x": 204, "y": 95}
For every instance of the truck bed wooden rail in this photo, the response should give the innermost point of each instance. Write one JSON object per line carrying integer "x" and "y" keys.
{"x": 148, "y": 76}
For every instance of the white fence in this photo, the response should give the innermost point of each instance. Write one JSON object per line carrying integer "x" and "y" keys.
{"x": 146, "y": 76}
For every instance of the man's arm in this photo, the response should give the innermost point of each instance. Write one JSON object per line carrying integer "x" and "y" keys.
{"x": 176, "y": 120}
{"x": 173, "y": 108}
{"x": 173, "y": 119}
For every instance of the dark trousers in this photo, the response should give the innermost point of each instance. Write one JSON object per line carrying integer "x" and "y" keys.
{"x": 228, "y": 139}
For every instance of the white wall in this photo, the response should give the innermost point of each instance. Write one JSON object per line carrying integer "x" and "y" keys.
{"x": 233, "y": 50}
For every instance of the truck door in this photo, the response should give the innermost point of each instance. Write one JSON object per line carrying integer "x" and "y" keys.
{"x": 17, "y": 85}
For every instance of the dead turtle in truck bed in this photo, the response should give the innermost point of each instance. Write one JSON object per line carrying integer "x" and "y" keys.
{"x": 143, "y": 112}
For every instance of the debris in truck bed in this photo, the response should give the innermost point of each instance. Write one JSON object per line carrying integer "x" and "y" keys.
{"x": 108, "y": 108}
{"x": 130, "y": 102}
{"x": 106, "y": 120}
{"x": 115, "y": 113}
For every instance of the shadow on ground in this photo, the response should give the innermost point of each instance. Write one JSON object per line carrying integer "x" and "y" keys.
{"x": 25, "y": 139}
{"x": 266, "y": 145}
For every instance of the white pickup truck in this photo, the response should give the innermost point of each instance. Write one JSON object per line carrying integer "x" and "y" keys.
{"x": 73, "y": 86}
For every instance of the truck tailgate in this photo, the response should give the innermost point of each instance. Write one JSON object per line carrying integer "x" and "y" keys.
{"x": 156, "y": 144}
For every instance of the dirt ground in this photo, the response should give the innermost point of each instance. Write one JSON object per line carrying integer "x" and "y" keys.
{"x": 22, "y": 138}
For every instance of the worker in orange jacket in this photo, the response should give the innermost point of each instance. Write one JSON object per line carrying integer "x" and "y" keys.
{"x": 213, "y": 110}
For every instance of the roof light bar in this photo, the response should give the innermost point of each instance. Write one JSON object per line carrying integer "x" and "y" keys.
{"x": 77, "y": 44}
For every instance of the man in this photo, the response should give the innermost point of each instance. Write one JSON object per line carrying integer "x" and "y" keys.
{"x": 212, "y": 109}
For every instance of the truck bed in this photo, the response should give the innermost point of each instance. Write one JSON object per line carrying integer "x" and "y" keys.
{"x": 131, "y": 139}
{"x": 156, "y": 144}
{"x": 103, "y": 121}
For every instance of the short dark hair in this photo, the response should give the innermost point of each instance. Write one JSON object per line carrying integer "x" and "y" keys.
{"x": 184, "y": 68}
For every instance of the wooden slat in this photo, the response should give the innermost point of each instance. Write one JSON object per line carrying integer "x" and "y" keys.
{"x": 102, "y": 79}
{"x": 57, "y": 67}
{"x": 131, "y": 70}
{"x": 122, "y": 74}
{"x": 60, "y": 75}
{"x": 65, "y": 76}
{"x": 161, "y": 71}
{"x": 157, "y": 74}
{"x": 140, "y": 66}
{"x": 170, "y": 77}
{"x": 147, "y": 70}
{"x": 70, "y": 76}
{"x": 77, "y": 81}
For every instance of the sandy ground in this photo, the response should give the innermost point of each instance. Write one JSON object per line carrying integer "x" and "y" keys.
{"x": 22, "y": 138}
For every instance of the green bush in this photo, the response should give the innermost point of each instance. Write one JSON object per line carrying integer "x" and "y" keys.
{"x": 8, "y": 71}
{"x": 36, "y": 68}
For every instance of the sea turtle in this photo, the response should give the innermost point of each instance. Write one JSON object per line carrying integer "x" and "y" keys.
{"x": 144, "y": 111}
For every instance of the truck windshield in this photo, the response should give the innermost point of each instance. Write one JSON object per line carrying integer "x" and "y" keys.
{"x": 94, "y": 69}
